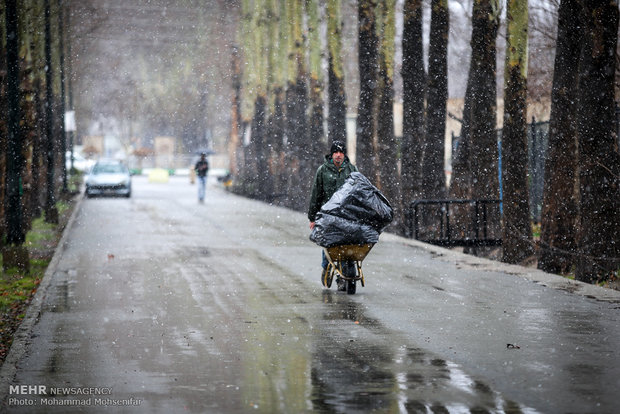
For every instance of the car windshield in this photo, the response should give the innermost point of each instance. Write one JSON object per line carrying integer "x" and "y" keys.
{"x": 108, "y": 169}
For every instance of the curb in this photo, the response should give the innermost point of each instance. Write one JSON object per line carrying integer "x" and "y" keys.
{"x": 23, "y": 334}
{"x": 537, "y": 276}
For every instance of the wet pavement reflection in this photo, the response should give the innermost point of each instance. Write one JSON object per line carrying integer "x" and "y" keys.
{"x": 355, "y": 371}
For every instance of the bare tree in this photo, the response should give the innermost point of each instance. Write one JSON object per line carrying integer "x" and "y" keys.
{"x": 413, "y": 96}
{"x": 559, "y": 209}
{"x": 598, "y": 235}
{"x": 368, "y": 72}
{"x": 296, "y": 109}
{"x": 387, "y": 145}
{"x": 542, "y": 37}
{"x": 278, "y": 120}
{"x": 315, "y": 82}
{"x": 260, "y": 139}
{"x": 517, "y": 231}
{"x": 248, "y": 169}
{"x": 4, "y": 108}
{"x": 276, "y": 74}
{"x": 13, "y": 157}
{"x": 234, "y": 144}
{"x": 33, "y": 106}
{"x": 413, "y": 100}
{"x": 483, "y": 105}
{"x": 259, "y": 143}
{"x": 433, "y": 175}
{"x": 337, "y": 102}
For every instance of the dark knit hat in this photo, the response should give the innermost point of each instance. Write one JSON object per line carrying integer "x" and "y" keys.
{"x": 338, "y": 146}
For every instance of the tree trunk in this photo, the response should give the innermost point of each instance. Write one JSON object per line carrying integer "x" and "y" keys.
{"x": 477, "y": 163}
{"x": 254, "y": 35}
{"x": 33, "y": 107}
{"x": 245, "y": 109}
{"x": 316, "y": 133}
{"x": 296, "y": 108}
{"x": 368, "y": 72}
{"x": 273, "y": 101}
{"x": 517, "y": 230}
{"x": 413, "y": 101}
{"x": 277, "y": 118}
{"x": 337, "y": 103}
{"x": 483, "y": 143}
{"x": 388, "y": 146}
{"x": 559, "y": 210}
{"x": 460, "y": 182}
{"x": 483, "y": 160}
{"x": 267, "y": 24}
{"x": 61, "y": 66}
{"x": 234, "y": 145}
{"x": 433, "y": 170}
{"x": 4, "y": 109}
{"x": 51, "y": 212}
{"x": 276, "y": 130}
{"x": 37, "y": 161}
{"x": 598, "y": 235}
{"x": 32, "y": 135}
{"x": 260, "y": 150}
{"x": 15, "y": 234}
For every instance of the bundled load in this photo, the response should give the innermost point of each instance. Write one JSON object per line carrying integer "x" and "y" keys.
{"x": 356, "y": 214}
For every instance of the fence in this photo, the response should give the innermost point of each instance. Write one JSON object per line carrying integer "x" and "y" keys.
{"x": 537, "y": 146}
{"x": 450, "y": 223}
{"x": 454, "y": 223}
{"x": 537, "y": 140}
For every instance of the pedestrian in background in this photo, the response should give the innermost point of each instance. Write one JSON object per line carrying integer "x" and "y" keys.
{"x": 328, "y": 179}
{"x": 202, "y": 168}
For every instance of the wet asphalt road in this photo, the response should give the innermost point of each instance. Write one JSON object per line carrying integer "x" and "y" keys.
{"x": 158, "y": 304}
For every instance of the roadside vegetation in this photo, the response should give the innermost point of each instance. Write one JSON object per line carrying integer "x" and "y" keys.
{"x": 18, "y": 288}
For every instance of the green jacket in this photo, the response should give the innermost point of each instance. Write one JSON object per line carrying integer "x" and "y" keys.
{"x": 327, "y": 180}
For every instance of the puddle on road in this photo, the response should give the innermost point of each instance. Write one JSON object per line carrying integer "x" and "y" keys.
{"x": 357, "y": 367}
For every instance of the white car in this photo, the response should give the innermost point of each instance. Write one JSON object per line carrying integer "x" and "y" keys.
{"x": 108, "y": 177}
{"x": 79, "y": 162}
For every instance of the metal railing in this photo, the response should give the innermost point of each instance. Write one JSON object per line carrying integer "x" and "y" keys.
{"x": 473, "y": 227}
{"x": 537, "y": 138}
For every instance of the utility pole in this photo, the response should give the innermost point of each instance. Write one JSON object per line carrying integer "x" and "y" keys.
{"x": 14, "y": 254}
{"x": 51, "y": 213}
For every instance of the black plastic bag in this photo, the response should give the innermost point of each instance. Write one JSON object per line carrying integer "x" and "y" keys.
{"x": 360, "y": 201}
{"x": 355, "y": 214}
{"x": 332, "y": 231}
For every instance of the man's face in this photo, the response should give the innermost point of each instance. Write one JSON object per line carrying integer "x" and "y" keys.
{"x": 338, "y": 158}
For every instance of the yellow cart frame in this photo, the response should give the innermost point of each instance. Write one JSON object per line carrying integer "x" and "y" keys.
{"x": 338, "y": 254}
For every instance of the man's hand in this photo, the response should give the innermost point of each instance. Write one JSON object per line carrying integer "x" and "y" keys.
{"x": 312, "y": 225}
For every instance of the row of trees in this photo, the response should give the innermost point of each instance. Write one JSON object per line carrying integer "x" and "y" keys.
{"x": 581, "y": 214}
{"x": 32, "y": 137}
{"x": 278, "y": 114}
